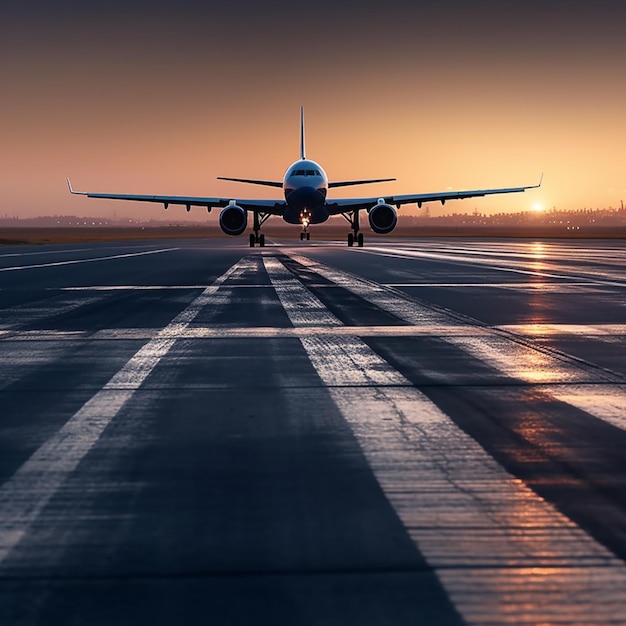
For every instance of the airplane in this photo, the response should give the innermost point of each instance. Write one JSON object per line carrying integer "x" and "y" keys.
{"x": 305, "y": 188}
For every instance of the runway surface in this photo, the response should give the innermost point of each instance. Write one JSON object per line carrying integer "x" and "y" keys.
{"x": 415, "y": 432}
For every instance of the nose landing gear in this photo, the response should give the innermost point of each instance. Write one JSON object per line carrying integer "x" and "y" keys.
{"x": 305, "y": 218}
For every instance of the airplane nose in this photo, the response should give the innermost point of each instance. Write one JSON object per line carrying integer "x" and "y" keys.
{"x": 307, "y": 198}
{"x": 306, "y": 203}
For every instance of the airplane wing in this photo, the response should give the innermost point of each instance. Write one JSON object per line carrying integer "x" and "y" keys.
{"x": 343, "y": 205}
{"x": 253, "y": 181}
{"x": 273, "y": 207}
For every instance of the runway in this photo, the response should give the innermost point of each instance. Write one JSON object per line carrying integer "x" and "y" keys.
{"x": 423, "y": 431}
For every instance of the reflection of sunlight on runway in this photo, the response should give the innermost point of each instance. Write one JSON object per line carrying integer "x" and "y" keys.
{"x": 536, "y": 296}
{"x": 520, "y": 361}
{"x": 605, "y": 401}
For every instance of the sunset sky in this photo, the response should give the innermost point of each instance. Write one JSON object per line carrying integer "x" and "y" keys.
{"x": 162, "y": 97}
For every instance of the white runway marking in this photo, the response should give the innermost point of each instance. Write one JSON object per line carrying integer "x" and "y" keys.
{"x": 516, "y": 359}
{"x": 235, "y": 332}
{"x": 446, "y": 256}
{"x": 585, "y": 330}
{"x": 32, "y": 486}
{"x": 151, "y": 287}
{"x": 47, "y": 250}
{"x": 503, "y": 555}
{"x": 91, "y": 260}
{"x": 559, "y": 287}
{"x": 40, "y": 252}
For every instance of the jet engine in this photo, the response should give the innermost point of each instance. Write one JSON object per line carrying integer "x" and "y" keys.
{"x": 383, "y": 218}
{"x": 233, "y": 219}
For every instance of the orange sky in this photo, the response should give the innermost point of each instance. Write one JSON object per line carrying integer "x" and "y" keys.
{"x": 147, "y": 98}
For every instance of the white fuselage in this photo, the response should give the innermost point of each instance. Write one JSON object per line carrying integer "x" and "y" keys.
{"x": 305, "y": 186}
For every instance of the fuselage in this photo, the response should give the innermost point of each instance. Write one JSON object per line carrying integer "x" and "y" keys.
{"x": 305, "y": 186}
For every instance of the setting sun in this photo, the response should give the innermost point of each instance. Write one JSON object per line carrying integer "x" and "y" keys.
{"x": 537, "y": 207}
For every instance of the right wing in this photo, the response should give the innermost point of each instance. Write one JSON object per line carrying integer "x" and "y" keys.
{"x": 342, "y": 205}
{"x": 274, "y": 207}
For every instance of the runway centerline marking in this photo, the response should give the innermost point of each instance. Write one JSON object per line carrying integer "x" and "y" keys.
{"x": 26, "y": 493}
{"x": 16, "y": 268}
{"x": 502, "y": 553}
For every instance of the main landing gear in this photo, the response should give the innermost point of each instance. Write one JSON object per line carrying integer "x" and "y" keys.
{"x": 305, "y": 235}
{"x": 257, "y": 236}
{"x": 358, "y": 239}
{"x": 355, "y": 236}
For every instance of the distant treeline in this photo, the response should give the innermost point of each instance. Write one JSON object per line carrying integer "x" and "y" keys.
{"x": 551, "y": 218}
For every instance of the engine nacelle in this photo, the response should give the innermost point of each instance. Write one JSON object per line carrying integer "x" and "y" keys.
{"x": 233, "y": 219}
{"x": 383, "y": 218}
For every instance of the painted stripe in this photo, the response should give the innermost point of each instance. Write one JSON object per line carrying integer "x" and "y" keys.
{"x": 587, "y": 330}
{"x": 92, "y": 260}
{"x": 26, "y": 493}
{"x": 503, "y": 554}
{"x": 514, "y": 356}
{"x": 40, "y": 252}
{"x": 47, "y": 250}
{"x": 407, "y": 254}
{"x": 609, "y": 332}
{"x": 234, "y": 332}
{"x": 151, "y": 287}
{"x": 605, "y": 401}
{"x": 530, "y": 286}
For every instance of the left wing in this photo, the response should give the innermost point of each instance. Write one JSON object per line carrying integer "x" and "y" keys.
{"x": 273, "y": 207}
{"x": 343, "y": 205}
{"x": 253, "y": 181}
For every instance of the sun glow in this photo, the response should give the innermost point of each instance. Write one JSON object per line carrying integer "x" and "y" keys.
{"x": 537, "y": 207}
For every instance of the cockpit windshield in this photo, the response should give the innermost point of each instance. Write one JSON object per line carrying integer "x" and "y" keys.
{"x": 305, "y": 173}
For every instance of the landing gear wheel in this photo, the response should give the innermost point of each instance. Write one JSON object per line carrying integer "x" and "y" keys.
{"x": 252, "y": 240}
{"x": 262, "y": 240}
{"x": 308, "y": 236}
{"x": 301, "y": 236}
{"x": 359, "y": 239}
{"x": 350, "y": 240}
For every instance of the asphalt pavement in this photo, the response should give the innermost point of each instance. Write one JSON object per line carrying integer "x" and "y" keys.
{"x": 420, "y": 431}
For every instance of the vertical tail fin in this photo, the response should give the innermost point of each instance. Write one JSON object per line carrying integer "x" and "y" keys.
{"x": 302, "y": 153}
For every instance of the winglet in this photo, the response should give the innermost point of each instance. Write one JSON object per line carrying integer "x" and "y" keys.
{"x": 69, "y": 184}
{"x": 302, "y": 151}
